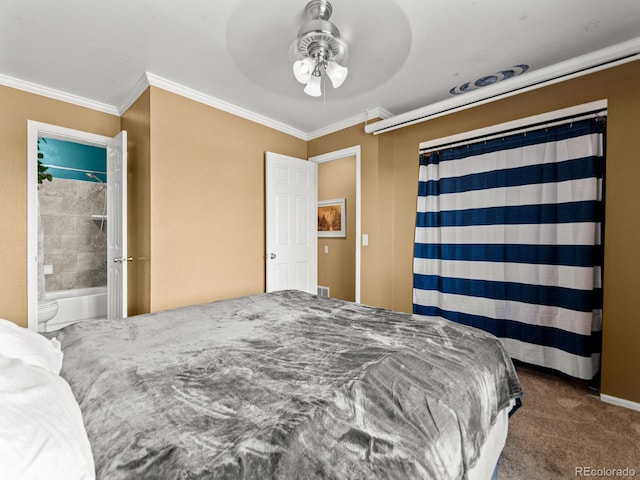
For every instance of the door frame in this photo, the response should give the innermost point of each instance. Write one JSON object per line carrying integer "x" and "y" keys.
{"x": 337, "y": 155}
{"x": 34, "y": 130}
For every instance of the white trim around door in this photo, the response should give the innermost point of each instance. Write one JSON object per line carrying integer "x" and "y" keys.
{"x": 35, "y": 130}
{"x": 337, "y": 155}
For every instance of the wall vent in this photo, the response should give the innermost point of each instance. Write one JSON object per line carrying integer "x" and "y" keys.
{"x": 323, "y": 291}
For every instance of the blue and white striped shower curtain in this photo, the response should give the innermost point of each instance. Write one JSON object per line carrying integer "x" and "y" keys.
{"x": 509, "y": 240}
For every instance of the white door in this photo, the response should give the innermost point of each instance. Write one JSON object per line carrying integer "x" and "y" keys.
{"x": 291, "y": 223}
{"x": 117, "y": 226}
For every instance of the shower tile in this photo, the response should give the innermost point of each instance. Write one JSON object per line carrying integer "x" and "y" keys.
{"x": 85, "y": 261}
{"x": 71, "y": 243}
{"x": 84, "y": 279}
{"x": 51, "y": 225}
{"x": 84, "y": 225}
{"x": 51, "y": 205}
{"x": 58, "y": 224}
{"x": 85, "y": 244}
{"x": 68, "y": 280}
{"x": 83, "y": 206}
{"x": 99, "y": 243}
{"x": 62, "y": 262}
{"x": 52, "y": 283}
{"x": 100, "y": 228}
{"x": 101, "y": 264}
{"x": 98, "y": 203}
{"x": 90, "y": 261}
{"x": 53, "y": 244}
{"x": 99, "y": 278}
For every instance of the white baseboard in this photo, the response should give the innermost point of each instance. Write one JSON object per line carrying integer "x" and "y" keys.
{"x": 620, "y": 402}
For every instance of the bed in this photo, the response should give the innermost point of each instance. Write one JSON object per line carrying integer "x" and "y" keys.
{"x": 287, "y": 385}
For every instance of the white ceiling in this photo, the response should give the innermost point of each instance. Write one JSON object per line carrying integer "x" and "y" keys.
{"x": 404, "y": 54}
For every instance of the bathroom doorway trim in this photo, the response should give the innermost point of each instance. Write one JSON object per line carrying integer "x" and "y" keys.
{"x": 34, "y": 131}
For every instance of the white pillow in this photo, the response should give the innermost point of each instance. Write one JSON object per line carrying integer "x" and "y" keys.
{"x": 30, "y": 347}
{"x": 41, "y": 430}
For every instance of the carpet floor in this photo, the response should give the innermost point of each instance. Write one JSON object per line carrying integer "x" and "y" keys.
{"x": 563, "y": 431}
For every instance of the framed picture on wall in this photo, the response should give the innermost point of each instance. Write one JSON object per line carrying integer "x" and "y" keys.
{"x": 332, "y": 218}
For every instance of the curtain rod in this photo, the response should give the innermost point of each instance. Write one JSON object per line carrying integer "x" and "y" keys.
{"x": 513, "y": 131}
{"x": 546, "y": 117}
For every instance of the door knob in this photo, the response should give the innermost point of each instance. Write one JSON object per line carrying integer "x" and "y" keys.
{"x": 122, "y": 259}
{"x": 272, "y": 256}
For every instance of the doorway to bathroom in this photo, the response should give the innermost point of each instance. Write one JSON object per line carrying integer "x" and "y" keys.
{"x": 72, "y": 235}
{"x": 76, "y": 226}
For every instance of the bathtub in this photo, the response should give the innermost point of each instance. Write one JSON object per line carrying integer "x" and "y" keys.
{"x": 77, "y": 305}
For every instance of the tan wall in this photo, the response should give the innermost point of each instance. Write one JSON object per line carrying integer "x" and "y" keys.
{"x": 207, "y": 201}
{"x": 17, "y": 108}
{"x": 385, "y": 209}
{"x": 336, "y": 269}
{"x": 137, "y": 122}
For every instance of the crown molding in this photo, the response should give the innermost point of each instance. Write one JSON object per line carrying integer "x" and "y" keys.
{"x": 146, "y": 80}
{"x": 30, "y": 87}
{"x": 602, "y": 59}
{"x": 138, "y": 89}
{"x": 377, "y": 112}
{"x": 149, "y": 79}
{"x": 178, "y": 89}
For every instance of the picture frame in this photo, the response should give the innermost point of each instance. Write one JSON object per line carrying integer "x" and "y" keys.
{"x": 332, "y": 218}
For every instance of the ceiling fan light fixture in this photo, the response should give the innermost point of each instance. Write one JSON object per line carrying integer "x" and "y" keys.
{"x": 336, "y": 73}
{"x": 302, "y": 69}
{"x": 321, "y": 48}
{"x": 314, "y": 87}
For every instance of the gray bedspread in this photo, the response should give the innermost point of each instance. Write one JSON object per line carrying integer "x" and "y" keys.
{"x": 285, "y": 386}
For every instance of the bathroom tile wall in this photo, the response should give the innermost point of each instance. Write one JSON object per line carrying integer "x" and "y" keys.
{"x": 73, "y": 243}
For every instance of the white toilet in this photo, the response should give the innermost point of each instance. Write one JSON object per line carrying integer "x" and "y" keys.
{"x": 47, "y": 309}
